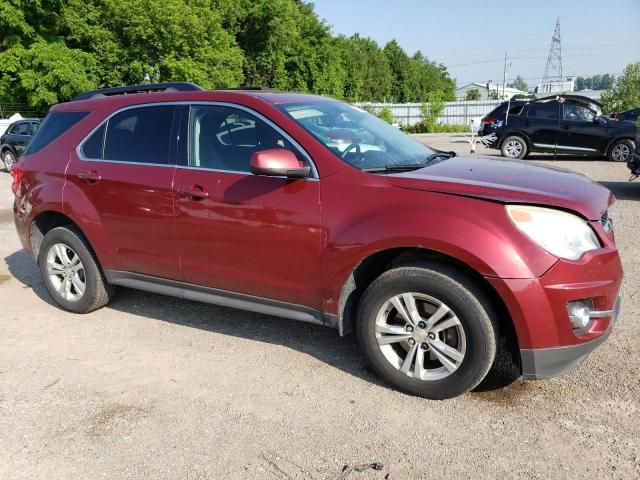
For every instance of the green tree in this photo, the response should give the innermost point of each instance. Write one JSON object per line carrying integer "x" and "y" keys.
{"x": 473, "y": 94}
{"x": 520, "y": 84}
{"x": 625, "y": 93}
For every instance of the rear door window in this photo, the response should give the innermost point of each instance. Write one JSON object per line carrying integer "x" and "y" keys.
{"x": 54, "y": 125}
{"x": 137, "y": 135}
{"x": 544, "y": 111}
{"x": 21, "y": 129}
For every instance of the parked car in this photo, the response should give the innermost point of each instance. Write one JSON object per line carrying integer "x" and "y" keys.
{"x": 305, "y": 207}
{"x": 634, "y": 162}
{"x": 15, "y": 139}
{"x": 560, "y": 124}
{"x": 631, "y": 115}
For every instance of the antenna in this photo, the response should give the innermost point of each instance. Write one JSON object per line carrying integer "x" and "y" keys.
{"x": 553, "y": 71}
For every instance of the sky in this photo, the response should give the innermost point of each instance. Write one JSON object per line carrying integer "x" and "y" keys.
{"x": 471, "y": 37}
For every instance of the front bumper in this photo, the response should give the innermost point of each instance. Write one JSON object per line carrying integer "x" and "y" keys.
{"x": 551, "y": 362}
{"x": 538, "y": 308}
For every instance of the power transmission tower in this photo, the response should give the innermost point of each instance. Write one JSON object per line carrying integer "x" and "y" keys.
{"x": 553, "y": 71}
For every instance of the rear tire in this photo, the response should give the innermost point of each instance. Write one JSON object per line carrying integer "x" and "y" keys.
{"x": 447, "y": 356}
{"x": 71, "y": 272}
{"x": 621, "y": 150}
{"x": 514, "y": 147}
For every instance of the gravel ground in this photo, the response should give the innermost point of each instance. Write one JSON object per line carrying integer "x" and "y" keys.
{"x": 158, "y": 388}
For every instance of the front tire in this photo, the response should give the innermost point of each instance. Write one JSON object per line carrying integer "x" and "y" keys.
{"x": 71, "y": 272}
{"x": 621, "y": 150}
{"x": 9, "y": 160}
{"x": 514, "y": 147}
{"x": 427, "y": 330}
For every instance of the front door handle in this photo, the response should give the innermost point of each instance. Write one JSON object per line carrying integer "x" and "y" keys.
{"x": 194, "y": 192}
{"x": 91, "y": 177}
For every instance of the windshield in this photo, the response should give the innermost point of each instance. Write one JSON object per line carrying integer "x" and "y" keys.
{"x": 357, "y": 137}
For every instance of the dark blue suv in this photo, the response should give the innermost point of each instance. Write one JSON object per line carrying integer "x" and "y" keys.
{"x": 559, "y": 124}
{"x": 15, "y": 140}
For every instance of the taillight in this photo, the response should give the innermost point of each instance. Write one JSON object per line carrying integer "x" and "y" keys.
{"x": 489, "y": 120}
{"x": 17, "y": 173}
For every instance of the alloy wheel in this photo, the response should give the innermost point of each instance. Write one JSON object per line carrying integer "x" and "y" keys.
{"x": 420, "y": 336}
{"x": 620, "y": 152}
{"x": 513, "y": 149}
{"x": 9, "y": 160}
{"x": 66, "y": 272}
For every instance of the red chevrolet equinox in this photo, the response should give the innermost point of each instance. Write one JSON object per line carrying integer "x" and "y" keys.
{"x": 309, "y": 208}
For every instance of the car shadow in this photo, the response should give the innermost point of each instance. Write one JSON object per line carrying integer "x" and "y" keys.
{"x": 624, "y": 190}
{"x": 321, "y": 343}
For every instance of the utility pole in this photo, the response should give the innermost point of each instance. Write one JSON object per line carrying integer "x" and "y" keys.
{"x": 504, "y": 74}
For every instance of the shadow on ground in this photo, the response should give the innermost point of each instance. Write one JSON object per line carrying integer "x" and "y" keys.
{"x": 319, "y": 342}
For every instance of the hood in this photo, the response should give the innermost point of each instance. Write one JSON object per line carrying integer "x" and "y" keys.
{"x": 510, "y": 181}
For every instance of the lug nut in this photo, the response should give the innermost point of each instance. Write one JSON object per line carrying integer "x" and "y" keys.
{"x": 431, "y": 336}
{"x": 409, "y": 328}
{"x": 412, "y": 342}
{"x": 424, "y": 346}
{"x": 422, "y": 325}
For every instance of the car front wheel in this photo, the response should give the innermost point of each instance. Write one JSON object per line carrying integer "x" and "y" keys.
{"x": 427, "y": 330}
{"x": 621, "y": 150}
{"x": 9, "y": 160}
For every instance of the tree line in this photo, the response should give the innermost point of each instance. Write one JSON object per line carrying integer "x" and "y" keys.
{"x": 51, "y": 50}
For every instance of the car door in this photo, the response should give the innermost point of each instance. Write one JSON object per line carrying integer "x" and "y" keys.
{"x": 542, "y": 124}
{"x": 241, "y": 232}
{"x": 125, "y": 168}
{"x": 581, "y": 130}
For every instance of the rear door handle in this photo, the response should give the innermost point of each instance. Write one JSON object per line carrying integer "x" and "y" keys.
{"x": 89, "y": 177}
{"x": 194, "y": 192}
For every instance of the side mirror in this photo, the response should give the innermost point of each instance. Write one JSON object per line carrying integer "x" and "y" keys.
{"x": 278, "y": 162}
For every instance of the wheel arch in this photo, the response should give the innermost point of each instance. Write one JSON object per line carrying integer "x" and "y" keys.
{"x": 515, "y": 133}
{"x": 617, "y": 139}
{"x": 377, "y": 263}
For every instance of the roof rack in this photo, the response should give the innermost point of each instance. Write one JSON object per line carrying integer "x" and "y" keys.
{"x": 143, "y": 88}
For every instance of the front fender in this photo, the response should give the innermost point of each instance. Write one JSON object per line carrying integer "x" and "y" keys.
{"x": 473, "y": 231}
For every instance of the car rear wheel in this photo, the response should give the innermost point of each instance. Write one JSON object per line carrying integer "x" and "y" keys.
{"x": 621, "y": 150}
{"x": 71, "y": 272}
{"x": 9, "y": 159}
{"x": 514, "y": 147}
{"x": 427, "y": 330}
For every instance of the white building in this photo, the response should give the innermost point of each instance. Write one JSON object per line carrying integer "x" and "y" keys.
{"x": 488, "y": 91}
{"x": 567, "y": 85}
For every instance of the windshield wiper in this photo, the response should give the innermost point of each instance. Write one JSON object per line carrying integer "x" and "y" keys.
{"x": 439, "y": 155}
{"x": 394, "y": 168}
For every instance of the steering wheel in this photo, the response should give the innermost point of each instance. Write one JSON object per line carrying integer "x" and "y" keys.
{"x": 355, "y": 146}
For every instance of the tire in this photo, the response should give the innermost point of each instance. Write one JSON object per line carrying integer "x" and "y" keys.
{"x": 474, "y": 336}
{"x": 514, "y": 147}
{"x": 9, "y": 159}
{"x": 621, "y": 150}
{"x": 71, "y": 272}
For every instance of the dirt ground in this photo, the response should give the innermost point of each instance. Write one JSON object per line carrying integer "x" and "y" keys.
{"x": 153, "y": 387}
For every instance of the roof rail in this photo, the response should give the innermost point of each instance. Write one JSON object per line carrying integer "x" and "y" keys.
{"x": 246, "y": 88}
{"x": 143, "y": 88}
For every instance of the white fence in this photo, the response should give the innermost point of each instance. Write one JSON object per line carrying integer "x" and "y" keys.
{"x": 455, "y": 113}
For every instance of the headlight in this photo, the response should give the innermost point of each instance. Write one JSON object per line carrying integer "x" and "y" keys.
{"x": 561, "y": 234}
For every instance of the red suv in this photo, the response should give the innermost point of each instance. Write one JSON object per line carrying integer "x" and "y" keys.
{"x": 309, "y": 208}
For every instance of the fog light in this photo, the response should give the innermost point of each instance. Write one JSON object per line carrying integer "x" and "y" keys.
{"x": 580, "y": 314}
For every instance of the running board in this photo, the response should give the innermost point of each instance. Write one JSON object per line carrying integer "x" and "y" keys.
{"x": 222, "y": 298}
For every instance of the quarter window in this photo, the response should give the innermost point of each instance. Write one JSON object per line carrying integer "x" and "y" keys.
{"x": 138, "y": 135}
{"x": 223, "y": 138}
{"x": 92, "y": 147}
